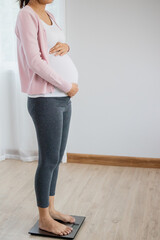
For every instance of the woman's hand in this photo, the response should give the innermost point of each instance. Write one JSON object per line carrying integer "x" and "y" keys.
{"x": 60, "y": 48}
{"x": 73, "y": 90}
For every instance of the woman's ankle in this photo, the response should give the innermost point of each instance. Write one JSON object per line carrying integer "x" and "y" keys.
{"x": 43, "y": 213}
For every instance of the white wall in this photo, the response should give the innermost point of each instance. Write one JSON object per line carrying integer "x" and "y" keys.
{"x": 116, "y": 48}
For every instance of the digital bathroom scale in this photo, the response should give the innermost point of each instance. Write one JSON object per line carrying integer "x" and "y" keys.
{"x": 76, "y": 226}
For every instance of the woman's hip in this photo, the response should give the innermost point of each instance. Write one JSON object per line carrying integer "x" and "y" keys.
{"x": 47, "y": 105}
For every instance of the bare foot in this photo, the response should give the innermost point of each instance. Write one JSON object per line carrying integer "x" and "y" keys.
{"x": 50, "y": 225}
{"x": 60, "y": 216}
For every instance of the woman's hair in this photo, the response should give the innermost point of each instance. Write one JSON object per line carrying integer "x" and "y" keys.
{"x": 22, "y": 3}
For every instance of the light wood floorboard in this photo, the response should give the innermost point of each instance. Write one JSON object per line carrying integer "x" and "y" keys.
{"x": 120, "y": 203}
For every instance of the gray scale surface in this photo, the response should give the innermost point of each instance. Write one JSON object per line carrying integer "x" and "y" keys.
{"x": 76, "y": 226}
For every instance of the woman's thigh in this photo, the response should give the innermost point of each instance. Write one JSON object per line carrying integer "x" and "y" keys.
{"x": 47, "y": 115}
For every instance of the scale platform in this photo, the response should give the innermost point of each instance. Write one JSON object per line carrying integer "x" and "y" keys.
{"x": 76, "y": 226}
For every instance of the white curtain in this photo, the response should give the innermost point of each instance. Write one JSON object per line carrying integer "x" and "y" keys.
{"x": 17, "y": 132}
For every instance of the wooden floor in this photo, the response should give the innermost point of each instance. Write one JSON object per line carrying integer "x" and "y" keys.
{"x": 120, "y": 203}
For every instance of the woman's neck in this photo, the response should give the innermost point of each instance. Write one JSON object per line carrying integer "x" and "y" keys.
{"x": 37, "y": 6}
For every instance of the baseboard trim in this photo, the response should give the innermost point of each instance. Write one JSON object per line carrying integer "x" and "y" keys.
{"x": 109, "y": 160}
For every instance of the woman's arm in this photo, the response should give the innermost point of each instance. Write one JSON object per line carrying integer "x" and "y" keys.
{"x": 27, "y": 26}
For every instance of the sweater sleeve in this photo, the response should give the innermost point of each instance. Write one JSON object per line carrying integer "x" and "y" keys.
{"x": 27, "y": 26}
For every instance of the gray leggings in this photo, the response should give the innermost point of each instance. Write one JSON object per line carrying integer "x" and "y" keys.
{"x": 51, "y": 118}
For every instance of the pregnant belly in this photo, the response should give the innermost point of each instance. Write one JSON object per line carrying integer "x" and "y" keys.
{"x": 65, "y": 67}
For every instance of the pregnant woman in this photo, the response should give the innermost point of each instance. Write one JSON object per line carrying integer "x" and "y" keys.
{"x": 49, "y": 78}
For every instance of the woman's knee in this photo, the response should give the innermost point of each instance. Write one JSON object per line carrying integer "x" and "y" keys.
{"x": 49, "y": 162}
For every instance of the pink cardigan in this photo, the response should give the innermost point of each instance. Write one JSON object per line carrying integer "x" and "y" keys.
{"x": 36, "y": 75}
